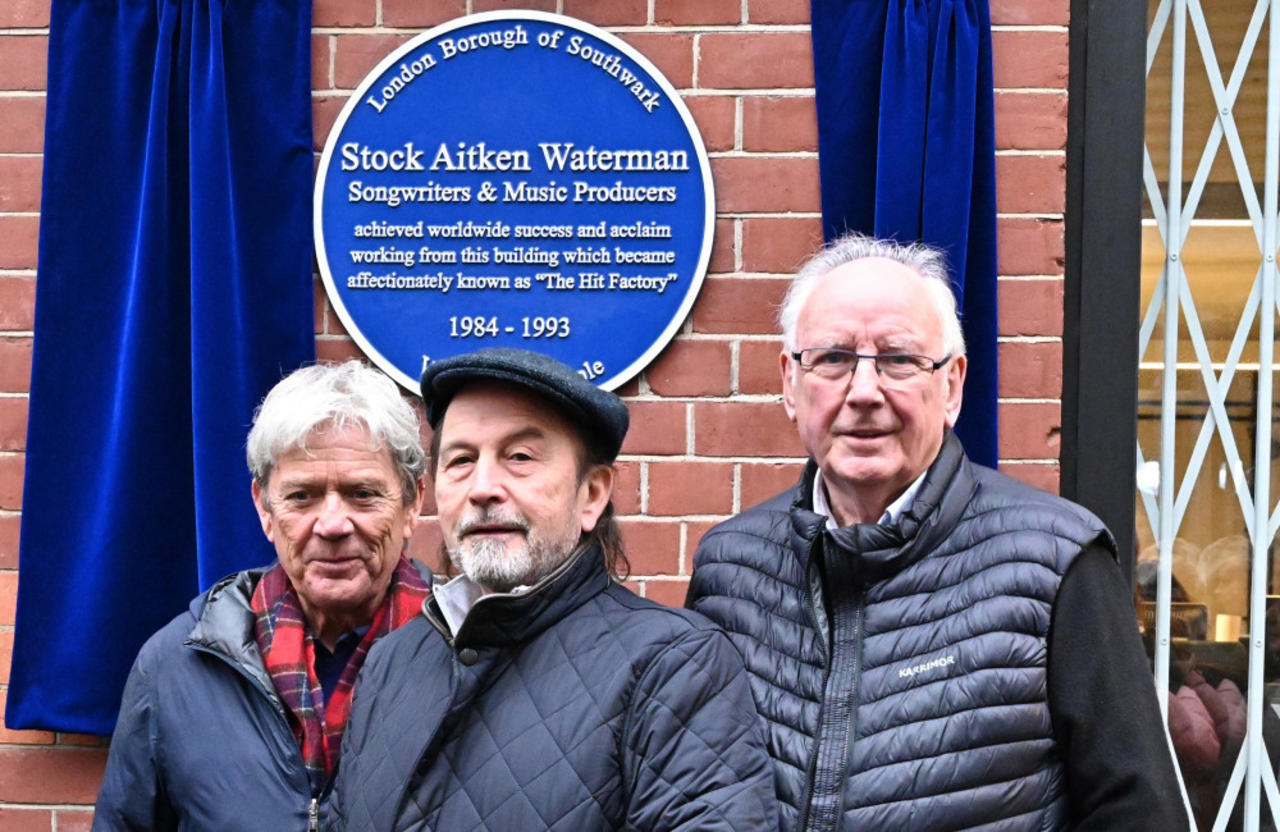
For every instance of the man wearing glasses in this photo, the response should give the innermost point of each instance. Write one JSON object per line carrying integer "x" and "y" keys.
{"x": 932, "y": 644}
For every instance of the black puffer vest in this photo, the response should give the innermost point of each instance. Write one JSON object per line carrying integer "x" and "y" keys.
{"x": 902, "y": 670}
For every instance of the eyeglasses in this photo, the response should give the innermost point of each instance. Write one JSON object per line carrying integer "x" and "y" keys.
{"x": 832, "y": 364}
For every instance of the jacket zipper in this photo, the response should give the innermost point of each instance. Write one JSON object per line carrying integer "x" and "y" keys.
{"x": 313, "y": 812}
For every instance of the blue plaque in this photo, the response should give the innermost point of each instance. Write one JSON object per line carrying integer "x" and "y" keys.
{"x": 514, "y": 179}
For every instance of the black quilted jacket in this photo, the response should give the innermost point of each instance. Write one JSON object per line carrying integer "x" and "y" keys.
{"x": 575, "y": 707}
{"x": 902, "y": 669}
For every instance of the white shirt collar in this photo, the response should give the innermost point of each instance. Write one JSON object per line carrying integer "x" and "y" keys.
{"x": 891, "y": 513}
{"x": 455, "y": 600}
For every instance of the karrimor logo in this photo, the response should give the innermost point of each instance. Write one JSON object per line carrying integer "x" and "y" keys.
{"x": 944, "y": 661}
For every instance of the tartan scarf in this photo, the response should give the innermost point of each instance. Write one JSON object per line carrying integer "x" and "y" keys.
{"x": 288, "y": 650}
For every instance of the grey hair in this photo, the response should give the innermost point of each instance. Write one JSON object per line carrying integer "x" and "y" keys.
{"x": 326, "y": 397}
{"x": 928, "y": 262}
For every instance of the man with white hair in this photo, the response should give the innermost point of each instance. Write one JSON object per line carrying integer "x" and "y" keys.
{"x": 932, "y": 645}
{"x": 233, "y": 714}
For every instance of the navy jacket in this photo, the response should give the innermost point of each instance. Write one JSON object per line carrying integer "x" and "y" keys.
{"x": 902, "y": 670}
{"x": 577, "y": 706}
{"x": 202, "y": 742}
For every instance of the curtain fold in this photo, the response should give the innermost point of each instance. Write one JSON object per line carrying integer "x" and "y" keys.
{"x": 174, "y": 288}
{"x": 906, "y": 149}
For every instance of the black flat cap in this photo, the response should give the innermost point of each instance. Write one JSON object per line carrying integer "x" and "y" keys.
{"x": 601, "y": 413}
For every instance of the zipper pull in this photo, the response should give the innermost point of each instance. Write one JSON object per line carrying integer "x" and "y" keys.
{"x": 313, "y": 816}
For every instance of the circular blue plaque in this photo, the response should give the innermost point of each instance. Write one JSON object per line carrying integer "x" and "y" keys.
{"x": 514, "y": 179}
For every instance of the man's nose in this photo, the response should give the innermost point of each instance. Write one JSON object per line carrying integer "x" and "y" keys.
{"x": 487, "y": 482}
{"x": 334, "y": 520}
{"x": 864, "y": 383}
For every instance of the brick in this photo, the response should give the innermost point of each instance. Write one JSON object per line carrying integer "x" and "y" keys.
{"x": 722, "y": 256}
{"x": 24, "y": 14}
{"x": 21, "y": 738}
{"x": 762, "y": 480}
{"x": 420, "y": 13}
{"x": 335, "y": 350}
{"x": 71, "y": 820}
{"x": 26, "y": 820}
{"x": 324, "y": 112}
{"x": 1030, "y": 12}
{"x": 1030, "y": 430}
{"x": 1030, "y": 246}
{"x": 15, "y": 364}
{"x": 696, "y": 12}
{"x": 626, "y": 486}
{"x": 779, "y": 244}
{"x": 1042, "y": 475}
{"x": 320, "y": 307}
{"x": 6, "y": 659}
{"x": 1029, "y": 58}
{"x": 671, "y": 593}
{"x": 320, "y": 62}
{"x": 1031, "y": 370}
{"x": 21, "y": 124}
{"x": 20, "y": 184}
{"x": 657, "y": 428}
{"x": 50, "y": 775}
{"x": 744, "y": 429}
{"x": 504, "y": 5}
{"x": 84, "y": 740}
{"x": 758, "y": 371}
{"x": 23, "y": 62}
{"x": 773, "y": 184}
{"x": 1031, "y": 120}
{"x": 425, "y": 546}
{"x": 776, "y": 123}
{"x": 17, "y": 303}
{"x": 9, "y": 525}
{"x": 694, "y": 531}
{"x": 716, "y": 120}
{"x": 629, "y": 388}
{"x": 777, "y": 11}
{"x": 19, "y": 236}
{"x": 1031, "y": 184}
{"x": 754, "y": 60}
{"x": 1030, "y": 307}
{"x": 739, "y": 305}
{"x": 679, "y": 488}
{"x": 11, "y": 467}
{"x": 356, "y": 55}
{"x": 613, "y": 13}
{"x": 326, "y": 13}
{"x": 691, "y": 368}
{"x": 13, "y": 423}
{"x": 653, "y": 548}
{"x": 671, "y": 53}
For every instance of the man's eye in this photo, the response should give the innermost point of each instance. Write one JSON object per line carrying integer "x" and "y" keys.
{"x": 831, "y": 357}
{"x": 898, "y": 359}
{"x": 457, "y": 461}
{"x": 296, "y": 496}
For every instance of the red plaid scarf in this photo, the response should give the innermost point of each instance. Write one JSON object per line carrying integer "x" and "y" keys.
{"x": 288, "y": 650}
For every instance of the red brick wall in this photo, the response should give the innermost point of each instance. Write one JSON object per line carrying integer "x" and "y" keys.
{"x": 709, "y": 435}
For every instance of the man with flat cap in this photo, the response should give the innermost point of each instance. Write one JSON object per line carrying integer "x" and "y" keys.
{"x": 537, "y": 692}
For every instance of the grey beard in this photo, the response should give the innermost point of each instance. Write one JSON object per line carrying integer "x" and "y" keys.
{"x": 488, "y": 563}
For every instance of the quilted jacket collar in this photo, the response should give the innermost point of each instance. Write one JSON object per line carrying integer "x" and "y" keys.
{"x": 883, "y": 551}
{"x": 505, "y": 619}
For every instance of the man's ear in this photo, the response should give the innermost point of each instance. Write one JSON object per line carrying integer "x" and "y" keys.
{"x": 264, "y": 513}
{"x": 413, "y": 510}
{"x": 955, "y": 388}
{"x": 595, "y": 490}
{"x": 787, "y": 368}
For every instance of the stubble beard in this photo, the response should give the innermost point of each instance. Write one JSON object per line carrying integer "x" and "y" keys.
{"x": 491, "y": 564}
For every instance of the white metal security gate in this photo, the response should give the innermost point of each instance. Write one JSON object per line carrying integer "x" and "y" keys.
{"x": 1207, "y": 343}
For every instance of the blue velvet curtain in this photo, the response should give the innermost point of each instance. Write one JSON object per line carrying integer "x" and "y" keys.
{"x": 906, "y": 149}
{"x": 174, "y": 289}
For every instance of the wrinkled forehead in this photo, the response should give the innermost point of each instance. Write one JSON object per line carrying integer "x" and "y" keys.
{"x": 872, "y": 298}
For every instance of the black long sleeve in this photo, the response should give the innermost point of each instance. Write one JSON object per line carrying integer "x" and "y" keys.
{"x": 1103, "y": 705}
